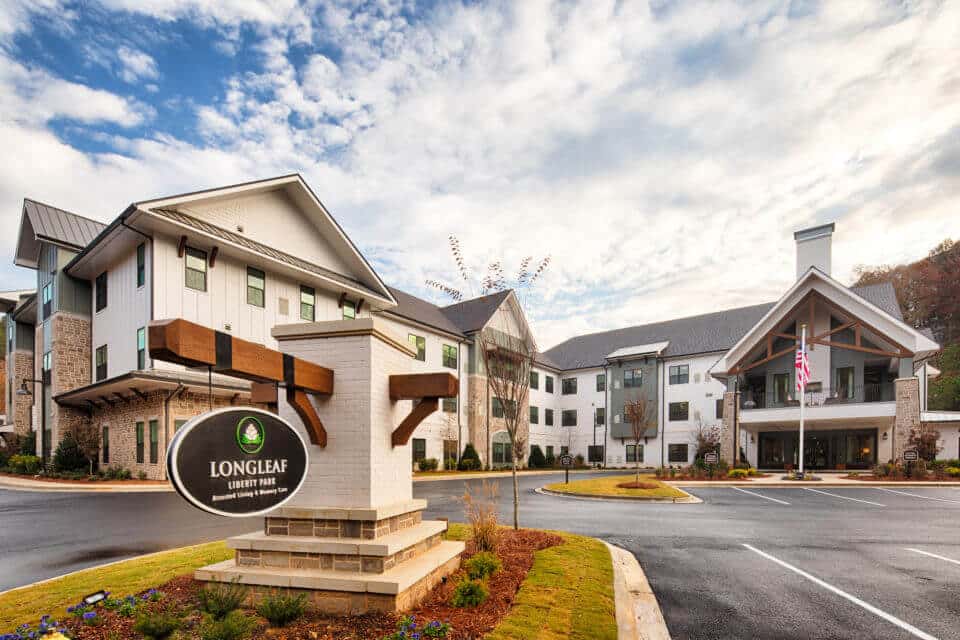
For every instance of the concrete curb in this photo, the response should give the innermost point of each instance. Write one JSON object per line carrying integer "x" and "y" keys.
{"x": 638, "y": 614}
{"x": 694, "y": 484}
{"x": 689, "y": 499}
{"x": 28, "y": 484}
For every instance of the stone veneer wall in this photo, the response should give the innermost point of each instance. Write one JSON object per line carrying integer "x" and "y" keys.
{"x": 122, "y": 417}
{"x": 726, "y": 426}
{"x": 908, "y": 413}
{"x": 71, "y": 368}
{"x": 22, "y": 405}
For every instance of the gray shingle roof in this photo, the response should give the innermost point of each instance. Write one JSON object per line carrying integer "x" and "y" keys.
{"x": 705, "y": 333}
{"x": 472, "y": 315}
{"x": 56, "y": 225}
{"x": 422, "y": 311}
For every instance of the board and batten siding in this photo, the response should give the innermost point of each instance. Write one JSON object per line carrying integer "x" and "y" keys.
{"x": 127, "y": 310}
{"x": 224, "y": 303}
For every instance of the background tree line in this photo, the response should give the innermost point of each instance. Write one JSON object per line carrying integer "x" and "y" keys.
{"x": 928, "y": 291}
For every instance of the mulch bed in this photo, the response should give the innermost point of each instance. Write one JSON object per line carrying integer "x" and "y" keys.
{"x": 87, "y": 480}
{"x": 873, "y": 478}
{"x": 686, "y": 477}
{"x": 515, "y": 552}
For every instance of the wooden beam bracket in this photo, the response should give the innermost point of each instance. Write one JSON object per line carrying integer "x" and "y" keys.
{"x": 428, "y": 388}
{"x": 304, "y": 408}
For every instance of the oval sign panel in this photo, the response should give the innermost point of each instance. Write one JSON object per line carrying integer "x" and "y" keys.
{"x": 238, "y": 461}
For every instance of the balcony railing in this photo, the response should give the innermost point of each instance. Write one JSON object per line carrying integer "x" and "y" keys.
{"x": 873, "y": 392}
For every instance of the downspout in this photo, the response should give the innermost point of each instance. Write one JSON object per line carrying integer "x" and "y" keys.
{"x": 606, "y": 413}
{"x": 460, "y": 404}
{"x": 663, "y": 421}
{"x": 166, "y": 418}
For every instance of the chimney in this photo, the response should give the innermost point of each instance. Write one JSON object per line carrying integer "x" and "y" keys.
{"x": 814, "y": 248}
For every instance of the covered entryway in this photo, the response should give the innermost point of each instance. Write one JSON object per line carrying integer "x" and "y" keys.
{"x": 824, "y": 450}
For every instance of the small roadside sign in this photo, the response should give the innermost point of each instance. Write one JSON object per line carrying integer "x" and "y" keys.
{"x": 711, "y": 457}
{"x": 566, "y": 460}
{"x": 911, "y": 455}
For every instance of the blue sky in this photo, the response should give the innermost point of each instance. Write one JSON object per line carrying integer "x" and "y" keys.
{"x": 662, "y": 153}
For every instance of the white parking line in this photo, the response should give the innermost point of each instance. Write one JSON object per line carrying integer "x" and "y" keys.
{"x": 917, "y": 495}
{"x": 906, "y": 626}
{"x": 933, "y": 555}
{"x": 760, "y": 495}
{"x": 835, "y": 495}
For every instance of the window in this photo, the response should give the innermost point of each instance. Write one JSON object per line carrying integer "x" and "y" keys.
{"x": 634, "y": 453}
{"x": 420, "y": 344}
{"x": 679, "y": 411}
{"x": 534, "y": 380}
{"x": 105, "y": 443}
{"x": 680, "y": 374}
{"x": 141, "y": 264}
{"x": 548, "y": 384}
{"x": 450, "y": 356}
{"x": 45, "y": 367}
{"x": 101, "y": 362}
{"x": 100, "y": 284}
{"x": 677, "y": 453}
{"x": 600, "y": 416}
{"x": 140, "y": 442}
{"x": 632, "y": 378}
{"x": 568, "y": 386}
{"x": 47, "y": 296}
{"x": 568, "y": 418}
{"x": 549, "y": 451}
{"x": 154, "y": 441}
{"x": 781, "y": 388}
{"x": 548, "y": 417}
{"x": 142, "y": 348}
{"x": 595, "y": 453}
{"x": 450, "y": 405}
{"x": 534, "y": 415}
{"x": 308, "y": 301}
{"x": 419, "y": 449}
{"x": 177, "y": 424}
{"x": 349, "y": 310}
{"x": 564, "y": 450}
{"x": 719, "y": 408}
{"x": 195, "y": 267}
{"x": 256, "y": 287}
{"x": 845, "y": 383}
{"x": 601, "y": 382}
{"x": 501, "y": 409}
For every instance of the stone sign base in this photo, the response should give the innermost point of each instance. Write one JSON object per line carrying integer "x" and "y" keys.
{"x": 348, "y": 561}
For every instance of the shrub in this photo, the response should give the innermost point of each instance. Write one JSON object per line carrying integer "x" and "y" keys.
{"x": 234, "y": 626}
{"x": 482, "y": 565}
{"x": 28, "y": 446}
{"x": 117, "y": 473}
{"x": 551, "y": 461}
{"x": 158, "y": 626}
{"x": 579, "y": 460}
{"x": 220, "y": 599}
{"x": 469, "y": 593}
{"x": 407, "y": 628}
{"x": 69, "y": 456}
{"x": 481, "y": 513}
{"x": 739, "y": 474}
{"x": 470, "y": 460}
{"x": 450, "y": 464}
{"x": 428, "y": 464}
{"x": 537, "y": 459}
{"x": 141, "y": 475}
{"x": 22, "y": 463}
{"x": 283, "y": 608}
{"x": 953, "y": 472}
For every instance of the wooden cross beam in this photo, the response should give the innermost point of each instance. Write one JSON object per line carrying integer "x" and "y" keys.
{"x": 426, "y": 387}
{"x": 194, "y": 345}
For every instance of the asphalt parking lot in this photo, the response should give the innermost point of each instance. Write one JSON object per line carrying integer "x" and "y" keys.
{"x": 747, "y": 563}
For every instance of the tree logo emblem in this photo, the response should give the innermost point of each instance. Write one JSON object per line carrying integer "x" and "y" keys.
{"x": 250, "y": 434}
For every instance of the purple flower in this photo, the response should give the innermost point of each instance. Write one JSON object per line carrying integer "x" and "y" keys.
{"x": 89, "y": 615}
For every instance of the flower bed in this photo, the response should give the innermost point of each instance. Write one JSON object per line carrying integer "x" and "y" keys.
{"x": 610, "y": 486}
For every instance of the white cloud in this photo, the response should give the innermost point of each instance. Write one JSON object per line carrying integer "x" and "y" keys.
{"x": 136, "y": 65}
{"x": 662, "y": 157}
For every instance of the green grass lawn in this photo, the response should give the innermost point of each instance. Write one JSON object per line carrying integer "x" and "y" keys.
{"x": 608, "y": 487}
{"x": 123, "y": 578}
{"x": 568, "y": 592}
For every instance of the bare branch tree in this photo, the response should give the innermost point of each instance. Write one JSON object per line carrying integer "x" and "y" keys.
{"x": 87, "y": 437}
{"x": 639, "y": 412}
{"x": 707, "y": 437}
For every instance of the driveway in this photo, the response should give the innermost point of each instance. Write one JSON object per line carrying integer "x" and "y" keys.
{"x": 757, "y": 562}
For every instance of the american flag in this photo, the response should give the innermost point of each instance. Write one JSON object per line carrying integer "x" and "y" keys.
{"x": 802, "y": 366}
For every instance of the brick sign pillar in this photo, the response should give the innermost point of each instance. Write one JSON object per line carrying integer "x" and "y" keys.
{"x": 353, "y": 538}
{"x": 908, "y": 414}
{"x": 726, "y": 428}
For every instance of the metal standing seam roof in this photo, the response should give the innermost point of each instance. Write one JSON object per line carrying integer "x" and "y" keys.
{"x": 57, "y": 225}
{"x": 253, "y": 245}
{"x": 711, "y": 332}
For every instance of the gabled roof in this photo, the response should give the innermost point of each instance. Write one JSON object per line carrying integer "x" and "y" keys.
{"x": 423, "y": 312}
{"x": 655, "y": 348}
{"x": 41, "y": 222}
{"x": 472, "y": 315}
{"x": 707, "y": 333}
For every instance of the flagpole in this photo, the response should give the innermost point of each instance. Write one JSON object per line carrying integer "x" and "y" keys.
{"x": 803, "y": 388}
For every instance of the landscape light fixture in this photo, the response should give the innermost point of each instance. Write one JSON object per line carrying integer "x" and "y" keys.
{"x": 94, "y": 598}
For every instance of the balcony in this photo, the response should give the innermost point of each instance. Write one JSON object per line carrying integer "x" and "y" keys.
{"x": 752, "y": 398}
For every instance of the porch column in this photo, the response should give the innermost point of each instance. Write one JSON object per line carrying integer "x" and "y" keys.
{"x": 727, "y": 443}
{"x": 908, "y": 414}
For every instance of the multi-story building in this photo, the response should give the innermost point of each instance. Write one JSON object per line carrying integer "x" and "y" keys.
{"x": 247, "y": 258}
